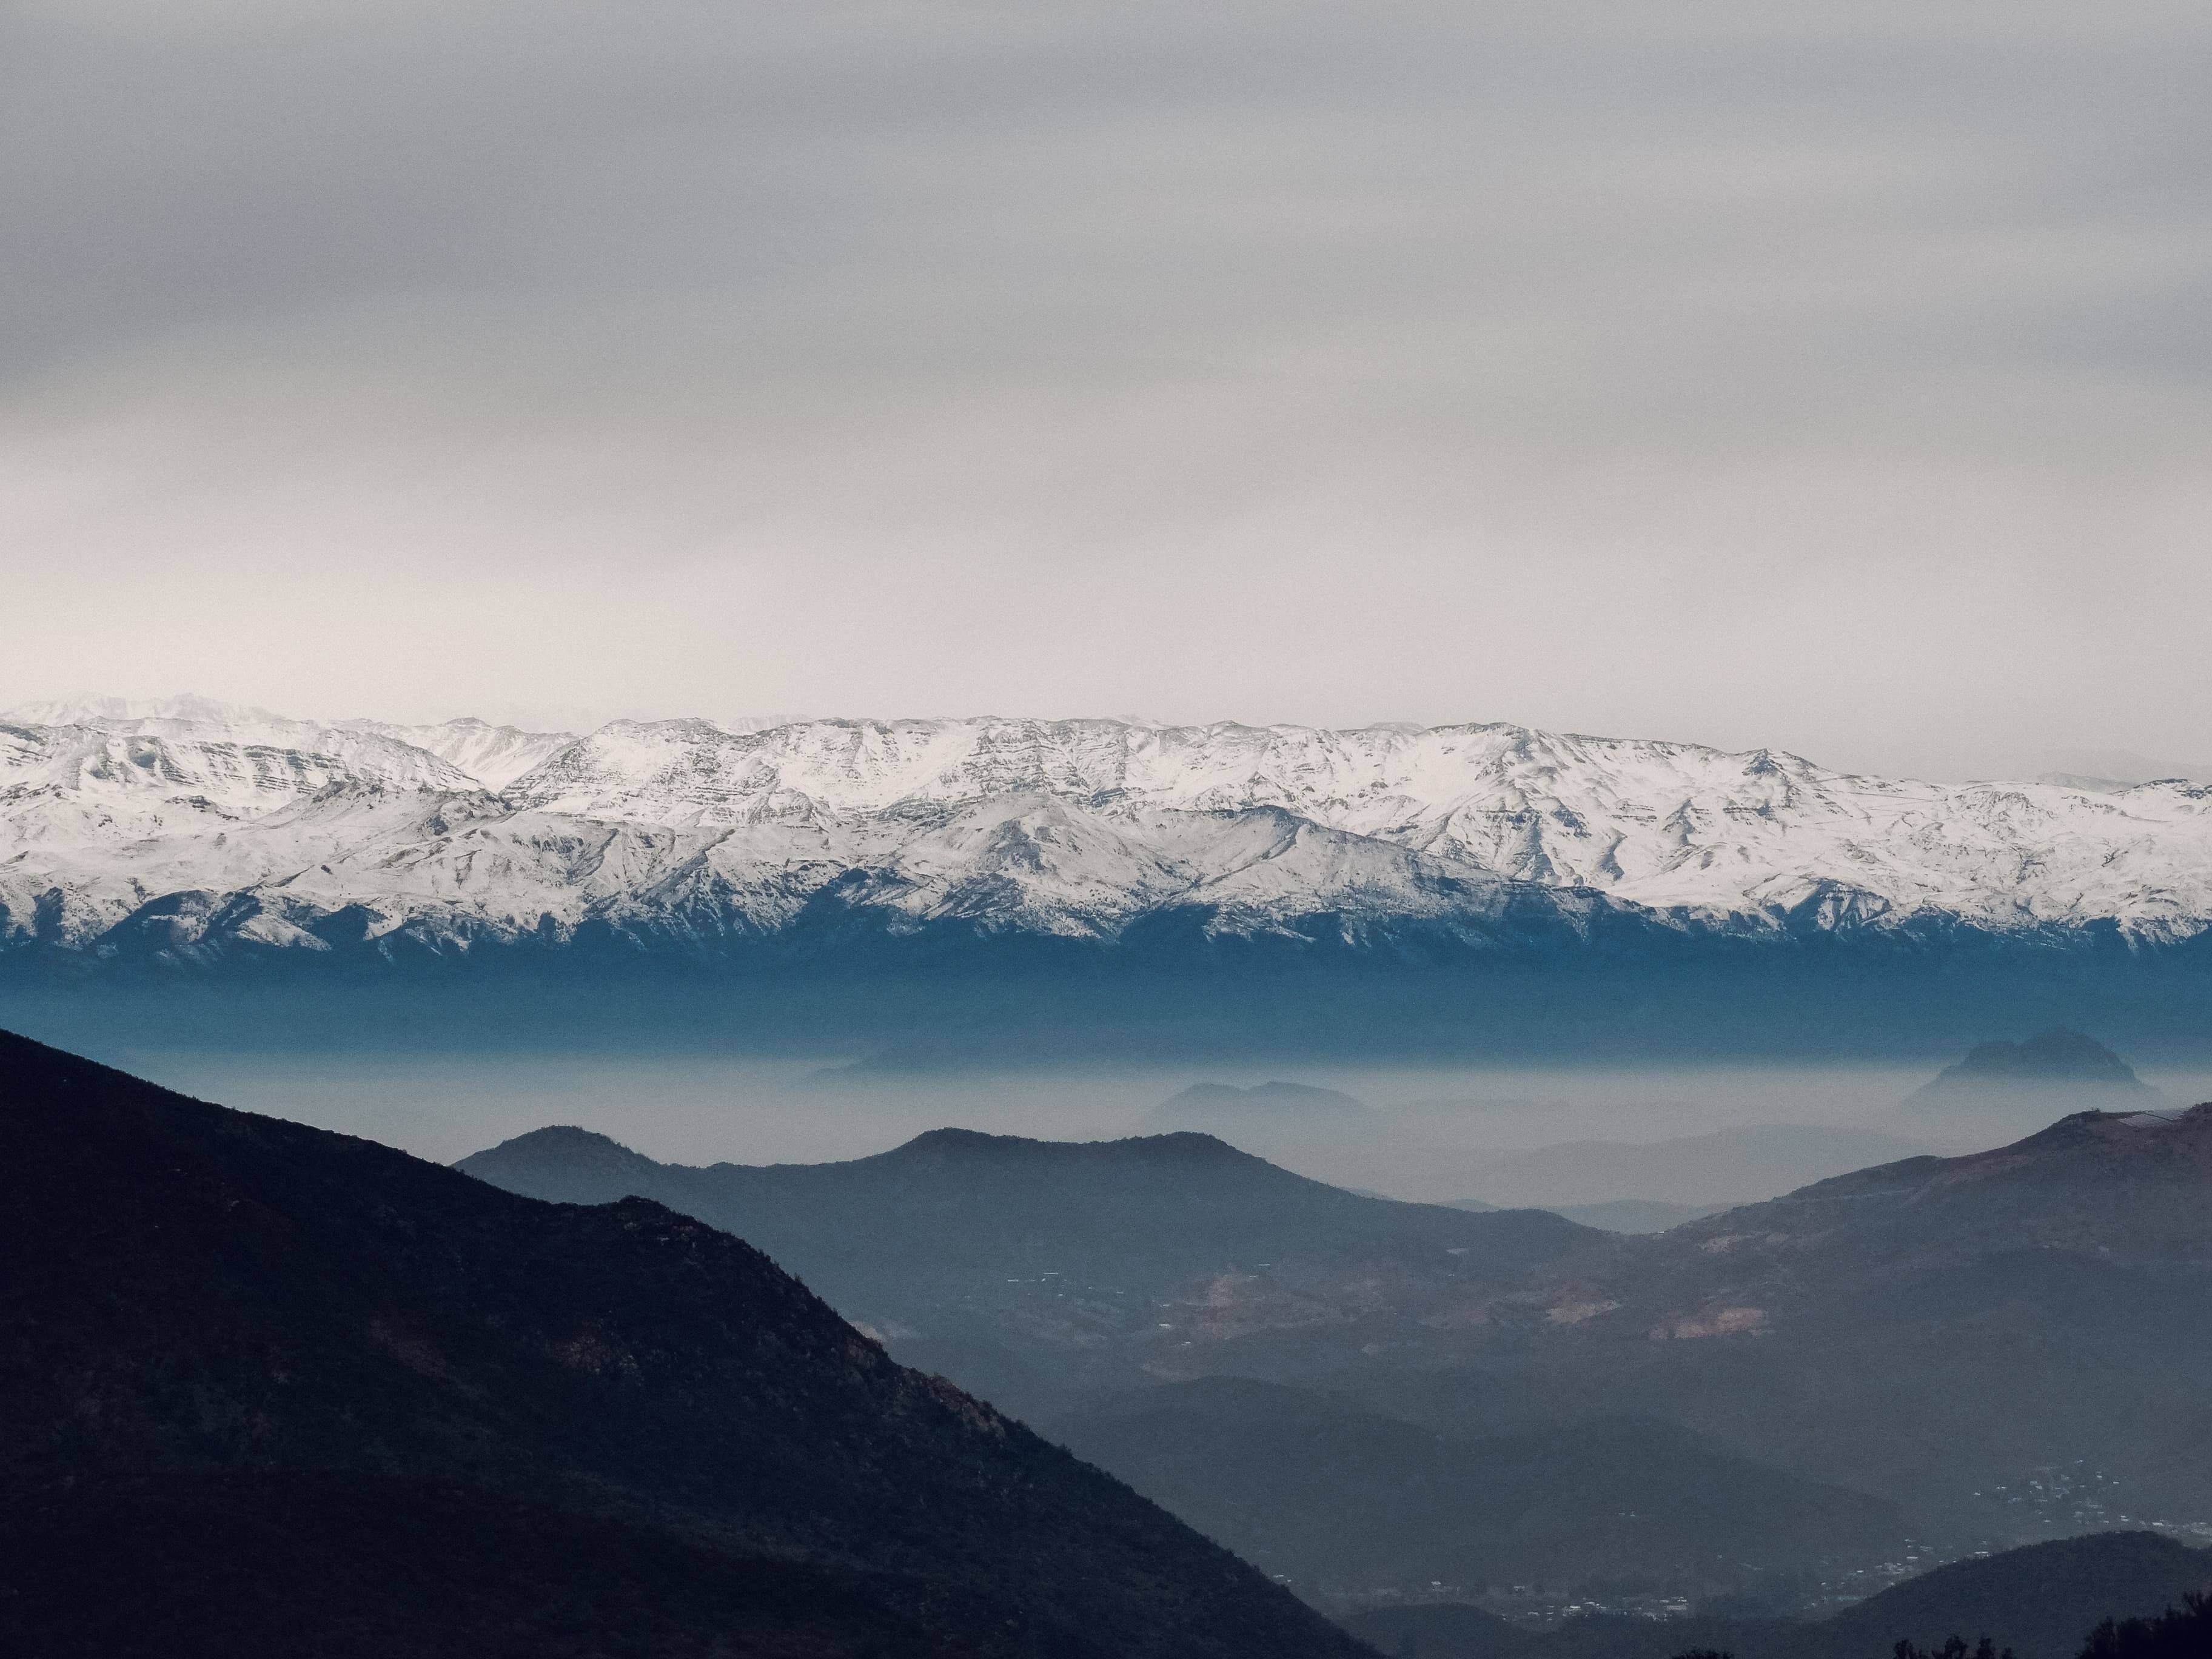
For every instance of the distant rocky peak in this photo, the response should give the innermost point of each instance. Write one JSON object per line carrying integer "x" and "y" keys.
{"x": 1264, "y": 1110}
{"x": 2059, "y": 1056}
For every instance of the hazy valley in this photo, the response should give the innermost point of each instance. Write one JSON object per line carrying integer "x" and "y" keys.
{"x": 1598, "y": 1442}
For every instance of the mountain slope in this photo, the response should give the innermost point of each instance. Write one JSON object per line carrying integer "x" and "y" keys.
{"x": 462, "y": 1420}
{"x": 2041, "y": 1601}
{"x": 1944, "y": 1331}
{"x": 1725, "y": 1166}
{"x": 1024, "y": 1268}
{"x": 1933, "y": 1331}
{"x": 491, "y": 755}
{"x": 1318, "y": 1487}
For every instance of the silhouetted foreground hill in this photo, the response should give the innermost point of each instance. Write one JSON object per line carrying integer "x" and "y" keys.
{"x": 2182, "y": 1632}
{"x": 1317, "y": 1487}
{"x": 1028, "y": 1268}
{"x": 2042, "y": 1601}
{"x": 271, "y": 1390}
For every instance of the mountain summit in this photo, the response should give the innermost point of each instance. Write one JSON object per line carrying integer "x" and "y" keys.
{"x": 1073, "y": 827}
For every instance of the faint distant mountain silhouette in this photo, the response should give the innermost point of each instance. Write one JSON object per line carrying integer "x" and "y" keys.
{"x": 2060, "y": 1056}
{"x": 1635, "y": 1215}
{"x": 1265, "y": 1109}
{"x": 1619, "y": 1215}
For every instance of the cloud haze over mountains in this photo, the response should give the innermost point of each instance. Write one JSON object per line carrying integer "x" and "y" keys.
{"x": 1744, "y": 375}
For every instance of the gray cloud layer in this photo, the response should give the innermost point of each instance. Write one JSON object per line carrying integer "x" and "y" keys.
{"x": 1829, "y": 375}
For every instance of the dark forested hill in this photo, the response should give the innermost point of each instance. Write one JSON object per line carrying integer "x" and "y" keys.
{"x": 272, "y": 1390}
{"x": 2041, "y": 1601}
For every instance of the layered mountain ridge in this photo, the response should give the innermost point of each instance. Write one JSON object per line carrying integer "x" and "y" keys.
{"x": 1937, "y": 1331}
{"x": 188, "y": 828}
{"x": 322, "y": 1397}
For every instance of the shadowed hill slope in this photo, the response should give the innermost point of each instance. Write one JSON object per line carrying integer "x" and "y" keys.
{"x": 2041, "y": 1601}
{"x": 273, "y": 1390}
{"x": 1929, "y": 1329}
{"x": 2107, "y": 1190}
{"x": 1319, "y": 1488}
{"x": 1024, "y": 1268}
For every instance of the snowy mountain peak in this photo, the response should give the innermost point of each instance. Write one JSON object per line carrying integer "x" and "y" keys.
{"x": 466, "y": 830}
{"x": 469, "y": 751}
{"x": 91, "y": 709}
{"x": 491, "y": 755}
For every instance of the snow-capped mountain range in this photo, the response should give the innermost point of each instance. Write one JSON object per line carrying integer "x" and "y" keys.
{"x": 207, "y": 827}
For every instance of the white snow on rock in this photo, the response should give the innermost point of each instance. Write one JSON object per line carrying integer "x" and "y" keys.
{"x": 492, "y": 755}
{"x": 238, "y": 819}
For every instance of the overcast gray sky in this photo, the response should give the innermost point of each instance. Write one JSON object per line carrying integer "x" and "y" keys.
{"x": 1831, "y": 376}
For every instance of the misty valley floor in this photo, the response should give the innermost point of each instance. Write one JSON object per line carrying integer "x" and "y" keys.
{"x": 1438, "y": 1131}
